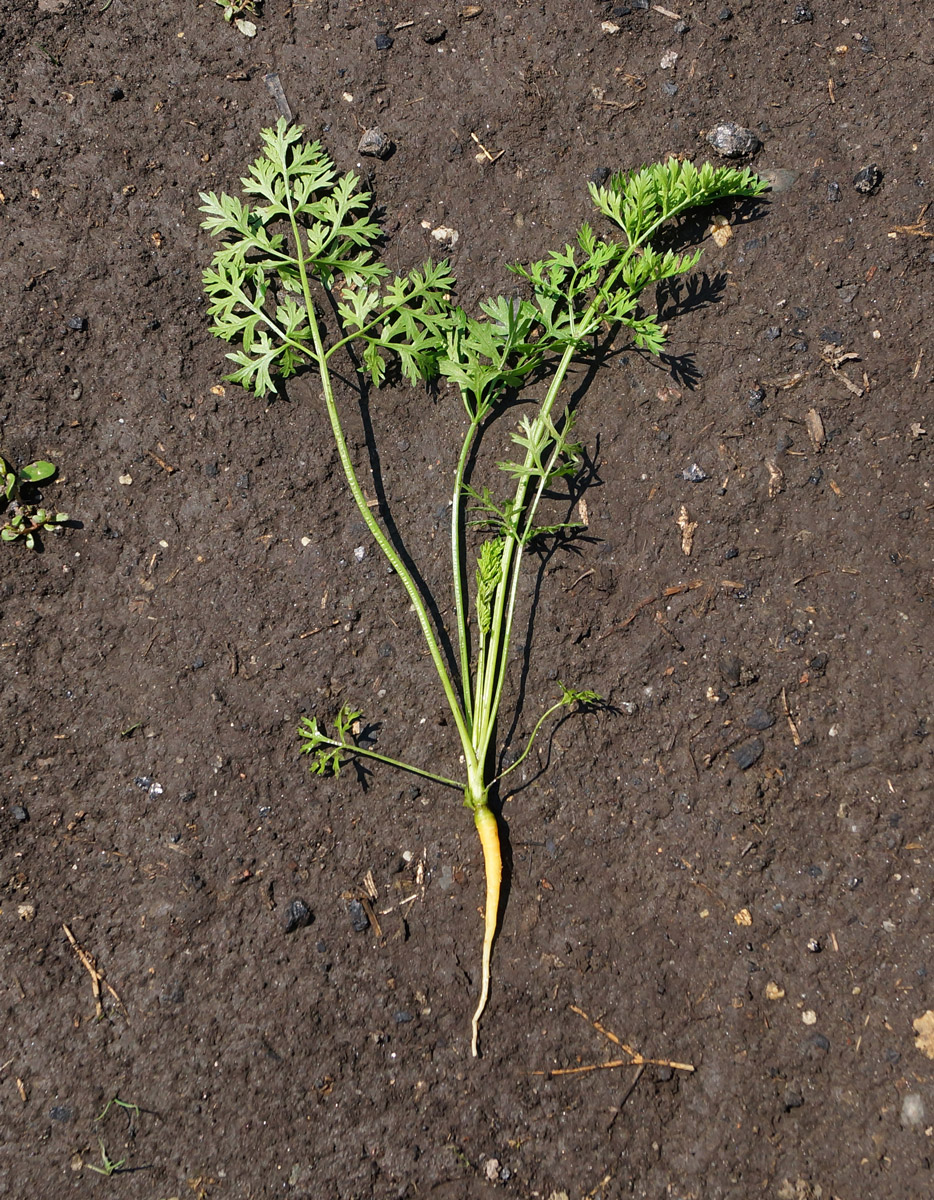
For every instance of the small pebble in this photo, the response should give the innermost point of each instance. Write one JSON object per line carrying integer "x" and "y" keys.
{"x": 792, "y": 1099}
{"x": 820, "y": 1042}
{"x": 814, "y": 946}
{"x": 359, "y": 921}
{"x": 117, "y": 93}
{"x": 599, "y": 176}
{"x": 375, "y": 144}
{"x": 359, "y": 553}
{"x": 833, "y": 193}
{"x": 402, "y": 1017}
{"x": 197, "y": 663}
{"x": 733, "y": 141}
{"x": 759, "y": 720}
{"x": 61, "y": 1112}
{"x": 298, "y": 916}
{"x": 725, "y": 14}
{"x": 748, "y": 754}
{"x": 669, "y": 88}
{"x": 78, "y": 324}
{"x": 695, "y": 474}
{"x": 682, "y": 27}
{"x": 732, "y": 553}
{"x": 868, "y": 180}
{"x": 833, "y": 337}
{"x": 802, "y": 15}
{"x": 912, "y": 1114}
{"x": 383, "y": 41}
{"x": 18, "y": 813}
{"x": 433, "y": 34}
{"x": 143, "y": 782}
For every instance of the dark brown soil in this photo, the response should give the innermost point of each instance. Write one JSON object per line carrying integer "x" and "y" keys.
{"x": 732, "y": 870}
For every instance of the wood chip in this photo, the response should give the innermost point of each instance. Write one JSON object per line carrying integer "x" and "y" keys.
{"x": 815, "y": 428}
{"x": 688, "y": 529}
{"x": 776, "y": 478}
{"x": 721, "y": 230}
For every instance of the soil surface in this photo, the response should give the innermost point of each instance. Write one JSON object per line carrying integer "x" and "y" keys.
{"x": 731, "y": 868}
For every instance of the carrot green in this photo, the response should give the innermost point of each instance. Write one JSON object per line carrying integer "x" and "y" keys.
{"x": 297, "y": 283}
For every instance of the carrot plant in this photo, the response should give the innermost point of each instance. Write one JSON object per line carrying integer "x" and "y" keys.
{"x": 298, "y": 283}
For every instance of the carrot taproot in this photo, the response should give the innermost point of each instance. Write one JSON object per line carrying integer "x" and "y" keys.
{"x": 488, "y": 829}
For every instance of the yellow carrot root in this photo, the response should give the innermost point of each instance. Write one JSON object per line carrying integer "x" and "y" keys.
{"x": 488, "y": 829}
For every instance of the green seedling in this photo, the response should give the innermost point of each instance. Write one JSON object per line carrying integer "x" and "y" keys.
{"x": 115, "y": 1101}
{"x": 236, "y": 8}
{"x": 107, "y": 1166}
{"x": 298, "y": 284}
{"x": 22, "y": 519}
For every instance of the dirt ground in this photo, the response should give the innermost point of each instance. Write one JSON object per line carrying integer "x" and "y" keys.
{"x": 731, "y": 869}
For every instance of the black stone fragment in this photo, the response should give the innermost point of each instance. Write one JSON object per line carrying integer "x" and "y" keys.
{"x": 868, "y": 180}
{"x": 78, "y": 324}
{"x": 833, "y": 193}
{"x": 792, "y": 1099}
{"x": 18, "y": 813}
{"x": 383, "y": 41}
{"x": 749, "y": 753}
{"x": 599, "y": 176}
{"x": 117, "y": 93}
{"x": 730, "y": 669}
{"x": 359, "y": 921}
{"x": 802, "y": 15}
{"x": 375, "y": 144}
{"x": 297, "y": 916}
{"x": 733, "y": 141}
{"x": 759, "y": 719}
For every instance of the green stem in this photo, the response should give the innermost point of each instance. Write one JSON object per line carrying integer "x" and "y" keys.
{"x": 458, "y": 567}
{"x": 525, "y": 753}
{"x": 350, "y": 748}
{"x": 370, "y": 521}
{"x": 489, "y": 688}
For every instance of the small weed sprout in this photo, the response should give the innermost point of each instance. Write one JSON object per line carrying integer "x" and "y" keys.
{"x": 107, "y": 1166}
{"x": 20, "y": 517}
{"x": 297, "y": 283}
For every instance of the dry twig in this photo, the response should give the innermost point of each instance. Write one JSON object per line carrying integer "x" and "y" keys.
{"x": 96, "y": 977}
{"x": 635, "y": 1059}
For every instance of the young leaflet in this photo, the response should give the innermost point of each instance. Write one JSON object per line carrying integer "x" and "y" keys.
{"x": 305, "y": 245}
